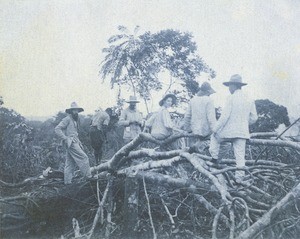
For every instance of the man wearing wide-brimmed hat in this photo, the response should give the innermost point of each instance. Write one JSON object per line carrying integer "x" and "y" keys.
{"x": 200, "y": 116}
{"x": 67, "y": 130}
{"x": 233, "y": 124}
{"x": 131, "y": 119}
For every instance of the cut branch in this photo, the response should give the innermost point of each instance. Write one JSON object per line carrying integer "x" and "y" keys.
{"x": 266, "y": 219}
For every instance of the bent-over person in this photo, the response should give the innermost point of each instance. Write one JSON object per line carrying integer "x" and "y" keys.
{"x": 98, "y": 130}
{"x": 67, "y": 130}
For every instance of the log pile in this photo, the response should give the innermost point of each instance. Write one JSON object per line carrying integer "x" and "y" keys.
{"x": 168, "y": 194}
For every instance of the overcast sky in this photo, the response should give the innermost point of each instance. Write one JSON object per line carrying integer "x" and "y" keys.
{"x": 50, "y": 51}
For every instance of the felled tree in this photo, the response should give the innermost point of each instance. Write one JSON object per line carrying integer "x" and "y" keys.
{"x": 270, "y": 116}
{"x": 184, "y": 195}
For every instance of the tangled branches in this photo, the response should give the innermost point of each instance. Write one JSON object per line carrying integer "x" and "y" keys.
{"x": 185, "y": 195}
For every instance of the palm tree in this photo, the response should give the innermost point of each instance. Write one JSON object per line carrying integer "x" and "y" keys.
{"x": 118, "y": 62}
{"x": 136, "y": 60}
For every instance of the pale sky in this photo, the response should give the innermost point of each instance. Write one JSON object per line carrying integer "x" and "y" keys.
{"x": 50, "y": 51}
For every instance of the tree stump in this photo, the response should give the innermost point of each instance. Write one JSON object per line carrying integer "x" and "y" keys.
{"x": 131, "y": 201}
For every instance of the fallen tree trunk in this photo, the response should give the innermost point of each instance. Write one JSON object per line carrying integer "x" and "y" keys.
{"x": 266, "y": 219}
{"x": 269, "y": 142}
{"x": 213, "y": 186}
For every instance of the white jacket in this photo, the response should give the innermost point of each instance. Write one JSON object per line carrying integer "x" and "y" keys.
{"x": 200, "y": 116}
{"x": 161, "y": 124}
{"x": 238, "y": 113}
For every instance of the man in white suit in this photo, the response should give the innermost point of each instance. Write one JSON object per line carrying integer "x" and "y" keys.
{"x": 200, "y": 116}
{"x": 233, "y": 124}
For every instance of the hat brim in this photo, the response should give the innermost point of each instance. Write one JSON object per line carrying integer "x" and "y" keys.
{"x": 228, "y": 83}
{"x": 133, "y": 101}
{"x": 174, "y": 99}
{"x": 69, "y": 110}
{"x": 209, "y": 91}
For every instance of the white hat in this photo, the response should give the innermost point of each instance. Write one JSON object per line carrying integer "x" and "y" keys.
{"x": 74, "y": 106}
{"x": 236, "y": 80}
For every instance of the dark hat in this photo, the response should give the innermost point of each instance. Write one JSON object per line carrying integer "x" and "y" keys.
{"x": 174, "y": 99}
{"x": 236, "y": 80}
{"x": 74, "y": 106}
{"x": 206, "y": 87}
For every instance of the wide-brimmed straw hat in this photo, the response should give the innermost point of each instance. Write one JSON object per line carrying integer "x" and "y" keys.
{"x": 236, "y": 80}
{"x": 132, "y": 99}
{"x": 74, "y": 106}
{"x": 206, "y": 87}
{"x": 174, "y": 99}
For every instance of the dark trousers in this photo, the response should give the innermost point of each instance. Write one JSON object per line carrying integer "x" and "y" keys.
{"x": 97, "y": 140}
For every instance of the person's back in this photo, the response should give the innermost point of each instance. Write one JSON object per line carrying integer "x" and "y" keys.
{"x": 202, "y": 115}
{"x": 237, "y": 124}
{"x": 100, "y": 119}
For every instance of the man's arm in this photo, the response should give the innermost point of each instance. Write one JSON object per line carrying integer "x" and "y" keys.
{"x": 211, "y": 114}
{"x": 224, "y": 116}
{"x": 253, "y": 114}
{"x": 187, "y": 118}
{"x": 140, "y": 119}
{"x": 122, "y": 120}
{"x": 62, "y": 125}
{"x": 106, "y": 123}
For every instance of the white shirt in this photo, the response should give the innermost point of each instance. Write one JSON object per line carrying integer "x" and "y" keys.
{"x": 161, "y": 124}
{"x": 132, "y": 120}
{"x": 100, "y": 118}
{"x": 236, "y": 116}
{"x": 200, "y": 115}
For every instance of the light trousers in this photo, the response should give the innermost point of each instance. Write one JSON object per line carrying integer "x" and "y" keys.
{"x": 76, "y": 155}
{"x": 238, "y": 145}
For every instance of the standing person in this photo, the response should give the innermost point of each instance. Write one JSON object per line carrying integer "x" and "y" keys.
{"x": 132, "y": 120}
{"x": 160, "y": 122}
{"x": 234, "y": 122}
{"x": 67, "y": 130}
{"x": 98, "y": 130}
{"x": 200, "y": 117}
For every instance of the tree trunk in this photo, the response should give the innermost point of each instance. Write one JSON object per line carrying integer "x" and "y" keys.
{"x": 131, "y": 202}
{"x": 266, "y": 219}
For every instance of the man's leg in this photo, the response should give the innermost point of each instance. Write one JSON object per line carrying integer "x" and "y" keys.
{"x": 239, "y": 153}
{"x": 214, "y": 147}
{"x": 69, "y": 168}
{"x": 81, "y": 159}
{"x": 96, "y": 142}
{"x": 98, "y": 153}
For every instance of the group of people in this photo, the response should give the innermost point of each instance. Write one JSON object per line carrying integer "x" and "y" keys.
{"x": 200, "y": 119}
{"x": 232, "y": 126}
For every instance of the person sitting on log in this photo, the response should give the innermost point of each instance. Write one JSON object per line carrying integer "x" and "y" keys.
{"x": 160, "y": 123}
{"x": 67, "y": 130}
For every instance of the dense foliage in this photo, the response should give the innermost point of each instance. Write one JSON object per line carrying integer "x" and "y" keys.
{"x": 28, "y": 147}
{"x": 270, "y": 116}
{"x": 135, "y": 61}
